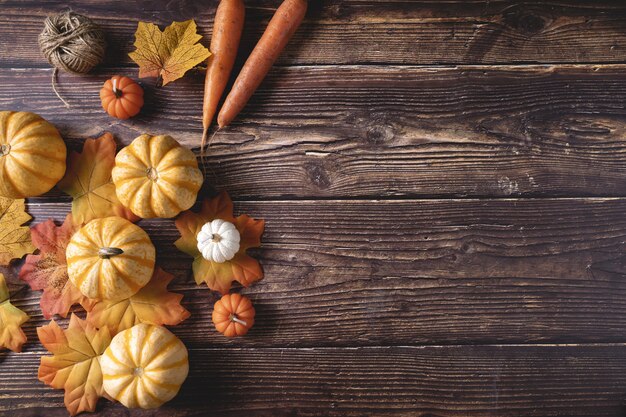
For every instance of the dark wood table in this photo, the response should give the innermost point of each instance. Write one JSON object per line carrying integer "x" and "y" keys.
{"x": 444, "y": 185}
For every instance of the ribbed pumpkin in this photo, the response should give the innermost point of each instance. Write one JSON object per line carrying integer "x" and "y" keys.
{"x": 121, "y": 97}
{"x": 155, "y": 176}
{"x": 144, "y": 366}
{"x": 218, "y": 241}
{"x": 110, "y": 259}
{"x": 32, "y": 155}
{"x": 233, "y": 315}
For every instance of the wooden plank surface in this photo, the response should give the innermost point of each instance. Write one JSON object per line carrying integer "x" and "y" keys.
{"x": 381, "y": 131}
{"x": 356, "y": 273}
{"x": 444, "y": 186}
{"x": 362, "y": 32}
{"x": 585, "y": 380}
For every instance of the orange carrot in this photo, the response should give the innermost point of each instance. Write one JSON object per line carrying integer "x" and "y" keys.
{"x": 227, "y": 29}
{"x": 281, "y": 28}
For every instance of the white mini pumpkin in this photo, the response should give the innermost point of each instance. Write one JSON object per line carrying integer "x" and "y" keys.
{"x": 144, "y": 366}
{"x": 218, "y": 241}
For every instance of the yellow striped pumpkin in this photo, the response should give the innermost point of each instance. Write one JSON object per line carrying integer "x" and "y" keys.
{"x": 144, "y": 366}
{"x": 110, "y": 259}
{"x": 155, "y": 176}
{"x": 32, "y": 155}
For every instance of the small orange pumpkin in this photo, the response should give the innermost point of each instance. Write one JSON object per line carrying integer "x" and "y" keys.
{"x": 233, "y": 315}
{"x": 121, "y": 97}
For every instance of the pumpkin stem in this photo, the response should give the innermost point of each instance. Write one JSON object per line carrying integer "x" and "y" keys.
{"x": 152, "y": 174}
{"x": 106, "y": 253}
{"x": 234, "y": 319}
{"x": 116, "y": 91}
{"x": 215, "y": 238}
{"x": 5, "y": 149}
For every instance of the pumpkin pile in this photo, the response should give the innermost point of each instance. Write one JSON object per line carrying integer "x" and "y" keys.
{"x": 101, "y": 260}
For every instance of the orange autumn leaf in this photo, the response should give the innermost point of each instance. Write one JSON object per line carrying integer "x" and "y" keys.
{"x": 47, "y": 270}
{"x": 88, "y": 180}
{"x": 153, "y": 304}
{"x": 11, "y": 320}
{"x": 14, "y": 238}
{"x": 75, "y": 362}
{"x": 219, "y": 276}
{"x": 167, "y": 55}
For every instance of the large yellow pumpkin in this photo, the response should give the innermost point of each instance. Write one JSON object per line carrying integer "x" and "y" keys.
{"x": 110, "y": 259}
{"x": 155, "y": 176}
{"x": 32, "y": 155}
{"x": 144, "y": 366}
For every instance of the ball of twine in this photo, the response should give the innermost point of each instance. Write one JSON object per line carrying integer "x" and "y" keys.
{"x": 73, "y": 43}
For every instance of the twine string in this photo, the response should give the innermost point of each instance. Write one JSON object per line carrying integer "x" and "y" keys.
{"x": 73, "y": 43}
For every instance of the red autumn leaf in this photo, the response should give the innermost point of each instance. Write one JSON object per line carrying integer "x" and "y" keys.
{"x": 219, "y": 276}
{"x": 47, "y": 270}
{"x": 75, "y": 362}
{"x": 153, "y": 304}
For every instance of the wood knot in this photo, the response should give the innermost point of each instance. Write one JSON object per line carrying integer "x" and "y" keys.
{"x": 466, "y": 247}
{"x": 318, "y": 175}
{"x": 335, "y": 10}
{"x": 530, "y": 24}
{"x": 526, "y": 22}
{"x": 379, "y": 134}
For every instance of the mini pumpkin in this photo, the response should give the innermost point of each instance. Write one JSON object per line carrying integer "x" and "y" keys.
{"x": 233, "y": 315}
{"x": 32, "y": 155}
{"x": 144, "y": 366}
{"x": 121, "y": 97}
{"x": 155, "y": 176}
{"x": 110, "y": 259}
{"x": 218, "y": 241}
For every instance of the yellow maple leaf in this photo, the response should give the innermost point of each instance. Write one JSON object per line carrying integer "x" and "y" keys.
{"x": 14, "y": 238}
{"x": 88, "y": 181}
{"x": 153, "y": 304}
{"x": 75, "y": 362}
{"x": 11, "y": 320}
{"x": 167, "y": 55}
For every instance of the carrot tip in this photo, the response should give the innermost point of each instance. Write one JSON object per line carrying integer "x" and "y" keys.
{"x": 205, "y": 134}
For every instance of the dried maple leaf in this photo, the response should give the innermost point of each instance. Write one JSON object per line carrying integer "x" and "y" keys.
{"x": 47, "y": 270}
{"x": 11, "y": 320}
{"x": 14, "y": 238}
{"x": 75, "y": 362}
{"x": 167, "y": 55}
{"x": 219, "y": 276}
{"x": 88, "y": 181}
{"x": 152, "y": 304}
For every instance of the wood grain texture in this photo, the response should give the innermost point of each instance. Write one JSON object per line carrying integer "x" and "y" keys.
{"x": 361, "y": 32}
{"x": 391, "y": 381}
{"x": 380, "y": 131}
{"x": 383, "y": 294}
{"x": 354, "y": 273}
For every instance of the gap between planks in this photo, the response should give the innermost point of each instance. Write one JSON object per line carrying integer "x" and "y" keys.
{"x": 449, "y": 66}
{"x": 375, "y": 347}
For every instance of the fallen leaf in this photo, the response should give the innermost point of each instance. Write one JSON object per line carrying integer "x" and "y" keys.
{"x": 153, "y": 304}
{"x": 14, "y": 238}
{"x": 88, "y": 181}
{"x": 167, "y": 55}
{"x": 75, "y": 362}
{"x": 11, "y": 320}
{"x": 219, "y": 276}
{"x": 47, "y": 270}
